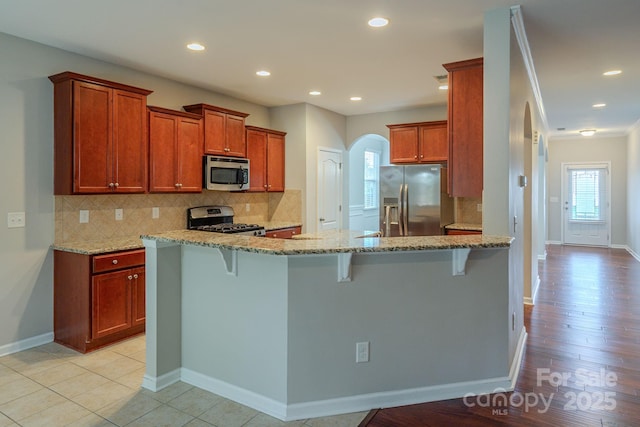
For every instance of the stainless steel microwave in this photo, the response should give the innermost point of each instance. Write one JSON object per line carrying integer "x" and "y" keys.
{"x": 226, "y": 173}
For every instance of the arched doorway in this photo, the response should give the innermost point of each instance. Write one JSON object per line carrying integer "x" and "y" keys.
{"x": 371, "y": 150}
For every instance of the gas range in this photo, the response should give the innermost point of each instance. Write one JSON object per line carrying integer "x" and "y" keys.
{"x": 219, "y": 219}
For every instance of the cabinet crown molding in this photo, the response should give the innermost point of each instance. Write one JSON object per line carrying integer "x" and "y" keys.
{"x": 68, "y": 75}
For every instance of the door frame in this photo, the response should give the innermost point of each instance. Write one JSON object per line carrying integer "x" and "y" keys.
{"x": 564, "y": 195}
{"x": 340, "y": 183}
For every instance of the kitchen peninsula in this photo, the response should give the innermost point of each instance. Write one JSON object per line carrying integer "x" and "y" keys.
{"x": 274, "y": 324}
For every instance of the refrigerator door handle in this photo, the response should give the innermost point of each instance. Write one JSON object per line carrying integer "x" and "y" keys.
{"x": 405, "y": 210}
{"x": 401, "y": 230}
{"x": 387, "y": 220}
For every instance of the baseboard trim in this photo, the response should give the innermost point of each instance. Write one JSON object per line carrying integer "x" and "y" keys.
{"x": 26, "y": 344}
{"x": 517, "y": 358}
{"x": 158, "y": 383}
{"x": 357, "y": 403}
{"x": 532, "y": 299}
{"x": 633, "y": 254}
{"x": 246, "y": 397}
{"x": 554, "y": 242}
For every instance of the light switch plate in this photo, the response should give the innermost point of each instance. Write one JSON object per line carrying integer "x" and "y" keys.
{"x": 119, "y": 214}
{"x": 16, "y": 219}
{"x": 155, "y": 213}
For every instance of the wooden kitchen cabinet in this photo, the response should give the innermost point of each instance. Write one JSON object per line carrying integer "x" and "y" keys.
{"x": 266, "y": 153}
{"x": 98, "y": 299}
{"x": 284, "y": 233}
{"x": 424, "y": 142}
{"x": 465, "y": 128}
{"x": 100, "y": 136}
{"x": 175, "y": 151}
{"x": 224, "y": 133}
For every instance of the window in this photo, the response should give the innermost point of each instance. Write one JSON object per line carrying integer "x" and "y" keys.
{"x": 371, "y": 179}
{"x": 587, "y": 189}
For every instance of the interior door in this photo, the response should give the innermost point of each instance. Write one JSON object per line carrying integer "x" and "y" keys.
{"x": 586, "y": 204}
{"x": 329, "y": 189}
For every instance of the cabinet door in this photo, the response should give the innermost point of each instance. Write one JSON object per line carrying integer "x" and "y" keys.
{"x": 138, "y": 307}
{"x": 163, "y": 140}
{"x": 190, "y": 155}
{"x": 465, "y": 129}
{"x": 434, "y": 145}
{"x": 92, "y": 156}
{"x": 275, "y": 162}
{"x": 236, "y": 143}
{"x": 214, "y": 132}
{"x": 110, "y": 303}
{"x": 257, "y": 155}
{"x": 404, "y": 144}
{"x": 129, "y": 142}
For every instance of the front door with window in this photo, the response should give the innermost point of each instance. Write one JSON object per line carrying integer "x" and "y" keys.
{"x": 586, "y": 204}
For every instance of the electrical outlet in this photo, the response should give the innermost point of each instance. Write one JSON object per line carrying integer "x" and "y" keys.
{"x": 362, "y": 352}
{"x": 15, "y": 219}
{"x": 247, "y": 207}
{"x": 84, "y": 217}
{"x": 155, "y": 213}
{"x": 119, "y": 214}
{"x": 479, "y": 207}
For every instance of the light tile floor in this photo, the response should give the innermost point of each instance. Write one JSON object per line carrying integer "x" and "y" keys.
{"x": 52, "y": 386}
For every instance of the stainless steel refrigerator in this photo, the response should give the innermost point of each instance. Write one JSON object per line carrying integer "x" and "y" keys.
{"x": 414, "y": 200}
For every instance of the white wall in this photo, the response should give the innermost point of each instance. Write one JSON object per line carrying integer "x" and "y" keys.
{"x": 633, "y": 195}
{"x": 26, "y": 168}
{"x": 592, "y": 149}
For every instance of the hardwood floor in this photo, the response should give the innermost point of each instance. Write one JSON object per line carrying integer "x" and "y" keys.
{"x": 582, "y": 359}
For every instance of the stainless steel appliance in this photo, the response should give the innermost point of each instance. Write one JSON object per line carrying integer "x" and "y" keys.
{"x": 414, "y": 200}
{"x": 219, "y": 219}
{"x": 226, "y": 173}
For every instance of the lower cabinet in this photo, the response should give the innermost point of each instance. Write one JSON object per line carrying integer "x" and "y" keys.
{"x": 457, "y": 232}
{"x": 284, "y": 233}
{"x": 98, "y": 299}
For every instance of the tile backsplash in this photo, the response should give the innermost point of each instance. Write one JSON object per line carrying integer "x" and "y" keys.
{"x": 137, "y": 212}
{"x": 467, "y": 210}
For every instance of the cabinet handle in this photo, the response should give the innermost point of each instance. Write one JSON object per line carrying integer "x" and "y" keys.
{"x": 129, "y": 277}
{"x": 269, "y": 185}
{"x": 114, "y": 262}
{"x": 135, "y": 276}
{"x": 111, "y": 185}
{"x": 178, "y": 185}
{"x": 116, "y": 185}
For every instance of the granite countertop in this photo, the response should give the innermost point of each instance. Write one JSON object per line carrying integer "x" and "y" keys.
{"x": 464, "y": 226}
{"x": 333, "y": 241}
{"x": 95, "y": 247}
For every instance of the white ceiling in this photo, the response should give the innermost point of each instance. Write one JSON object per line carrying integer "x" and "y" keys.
{"x": 326, "y": 45}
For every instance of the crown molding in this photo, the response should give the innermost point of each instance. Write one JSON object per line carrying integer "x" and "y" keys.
{"x": 518, "y": 27}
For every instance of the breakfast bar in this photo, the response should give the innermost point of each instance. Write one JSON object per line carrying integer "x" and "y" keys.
{"x": 329, "y": 322}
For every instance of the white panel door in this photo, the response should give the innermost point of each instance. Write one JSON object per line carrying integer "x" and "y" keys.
{"x": 586, "y": 204}
{"x": 329, "y": 189}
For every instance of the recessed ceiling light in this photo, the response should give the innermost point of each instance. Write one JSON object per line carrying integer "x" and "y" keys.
{"x": 601, "y": 105}
{"x": 315, "y": 93}
{"x": 612, "y": 73}
{"x": 588, "y": 132}
{"x": 378, "y": 22}
{"x": 443, "y": 87}
{"x": 263, "y": 73}
{"x": 356, "y": 98}
{"x": 195, "y": 46}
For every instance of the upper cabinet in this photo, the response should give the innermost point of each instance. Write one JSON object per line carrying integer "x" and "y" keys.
{"x": 265, "y": 151}
{"x": 224, "y": 133}
{"x": 175, "y": 151}
{"x": 465, "y": 127}
{"x": 100, "y": 136}
{"x": 424, "y": 142}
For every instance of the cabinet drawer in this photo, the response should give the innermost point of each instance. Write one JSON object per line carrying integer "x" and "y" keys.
{"x": 118, "y": 260}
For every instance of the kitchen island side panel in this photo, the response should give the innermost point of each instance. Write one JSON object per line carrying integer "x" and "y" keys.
{"x": 425, "y": 327}
{"x": 234, "y": 327}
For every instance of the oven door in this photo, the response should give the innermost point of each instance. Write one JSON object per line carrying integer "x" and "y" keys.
{"x": 226, "y": 173}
